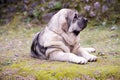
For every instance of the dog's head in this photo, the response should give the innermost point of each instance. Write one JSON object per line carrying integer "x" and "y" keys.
{"x": 76, "y": 23}
{"x": 67, "y": 20}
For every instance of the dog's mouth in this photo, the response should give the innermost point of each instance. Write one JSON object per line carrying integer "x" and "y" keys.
{"x": 76, "y": 32}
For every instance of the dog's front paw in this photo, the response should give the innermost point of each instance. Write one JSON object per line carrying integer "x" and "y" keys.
{"x": 90, "y": 50}
{"x": 91, "y": 58}
{"x": 81, "y": 60}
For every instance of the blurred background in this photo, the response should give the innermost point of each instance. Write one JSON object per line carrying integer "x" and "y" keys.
{"x": 40, "y": 11}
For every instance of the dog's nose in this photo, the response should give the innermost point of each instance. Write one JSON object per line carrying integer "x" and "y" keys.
{"x": 86, "y": 20}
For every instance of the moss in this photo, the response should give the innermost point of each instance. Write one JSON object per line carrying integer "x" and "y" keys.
{"x": 64, "y": 70}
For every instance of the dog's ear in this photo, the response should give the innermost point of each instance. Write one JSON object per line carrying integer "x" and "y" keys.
{"x": 71, "y": 16}
{"x": 66, "y": 24}
{"x": 68, "y": 21}
{"x": 63, "y": 23}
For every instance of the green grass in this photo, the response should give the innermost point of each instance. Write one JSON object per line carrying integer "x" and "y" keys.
{"x": 16, "y": 63}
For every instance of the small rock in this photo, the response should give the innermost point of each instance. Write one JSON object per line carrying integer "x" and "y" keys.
{"x": 14, "y": 59}
{"x": 103, "y": 23}
{"x": 26, "y": 1}
{"x": 87, "y": 8}
{"x": 42, "y": 9}
{"x": 113, "y": 53}
{"x": 86, "y": 1}
{"x": 92, "y": 14}
{"x": 104, "y": 8}
{"x": 16, "y": 55}
{"x": 113, "y": 28}
{"x": 101, "y": 53}
{"x": 114, "y": 35}
{"x": 97, "y": 5}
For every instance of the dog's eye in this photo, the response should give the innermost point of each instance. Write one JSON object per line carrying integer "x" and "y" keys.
{"x": 76, "y": 16}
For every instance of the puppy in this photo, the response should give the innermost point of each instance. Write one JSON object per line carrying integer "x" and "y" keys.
{"x": 60, "y": 41}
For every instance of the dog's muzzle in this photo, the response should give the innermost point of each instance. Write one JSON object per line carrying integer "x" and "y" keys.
{"x": 82, "y": 23}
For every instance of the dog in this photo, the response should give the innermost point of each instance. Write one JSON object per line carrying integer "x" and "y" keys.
{"x": 59, "y": 40}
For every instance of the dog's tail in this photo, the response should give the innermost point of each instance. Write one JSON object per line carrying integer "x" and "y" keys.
{"x": 37, "y": 51}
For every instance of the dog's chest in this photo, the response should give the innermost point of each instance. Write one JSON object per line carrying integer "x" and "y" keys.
{"x": 71, "y": 41}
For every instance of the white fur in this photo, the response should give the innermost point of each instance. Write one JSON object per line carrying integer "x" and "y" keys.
{"x": 70, "y": 57}
{"x": 90, "y": 49}
{"x": 84, "y": 53}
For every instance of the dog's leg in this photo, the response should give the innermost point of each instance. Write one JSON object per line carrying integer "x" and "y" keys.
{"x": 70, "y": 57}
{"x": 84, "y": 53}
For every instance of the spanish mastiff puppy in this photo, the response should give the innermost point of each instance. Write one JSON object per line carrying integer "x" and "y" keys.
{"x": 60, "y": 41}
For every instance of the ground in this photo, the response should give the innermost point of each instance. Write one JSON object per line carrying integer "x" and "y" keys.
{"x": 16, "y": 63}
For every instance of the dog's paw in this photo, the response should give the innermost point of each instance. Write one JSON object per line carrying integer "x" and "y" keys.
{"x": 81, "y": 60}
{"x": 91, "y": 58}
{"x": 91, "y": 50}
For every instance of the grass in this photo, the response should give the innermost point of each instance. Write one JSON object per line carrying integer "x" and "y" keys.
{"x": 16, "y": 63}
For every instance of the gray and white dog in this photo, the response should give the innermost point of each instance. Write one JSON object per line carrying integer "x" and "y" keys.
{"x": 60, "y": 41}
